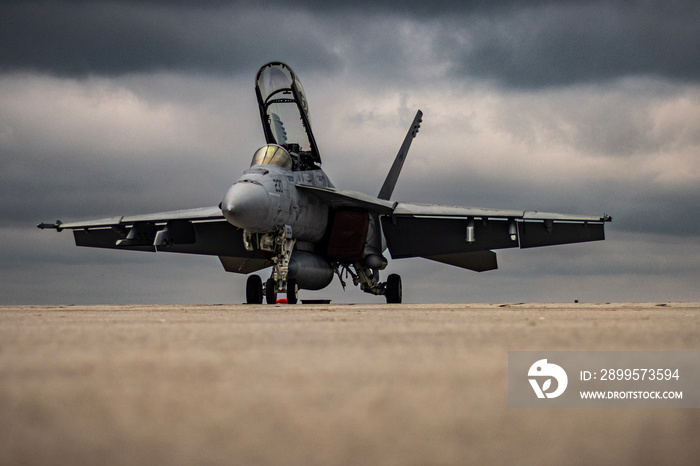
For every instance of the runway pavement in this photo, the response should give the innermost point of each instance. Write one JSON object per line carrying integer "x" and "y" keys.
{"x": 322, "y": 384}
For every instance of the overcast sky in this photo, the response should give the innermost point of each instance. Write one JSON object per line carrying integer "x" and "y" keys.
{"x": 582, "y": 107}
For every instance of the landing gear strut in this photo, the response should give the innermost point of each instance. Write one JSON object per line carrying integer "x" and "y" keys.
{"x": 280, "y": 244}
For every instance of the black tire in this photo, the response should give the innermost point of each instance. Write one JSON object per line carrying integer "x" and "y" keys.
{"x": 393, "y": 289}
{"x": 253, "y": 290}
{"x": 270, "y": 293}
{"x": 292, "y": 291}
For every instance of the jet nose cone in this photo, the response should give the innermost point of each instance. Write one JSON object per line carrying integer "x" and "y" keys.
{"x": 246, "y": 205}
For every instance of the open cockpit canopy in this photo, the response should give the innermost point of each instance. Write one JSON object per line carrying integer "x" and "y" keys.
{"x": 285, "y": 113}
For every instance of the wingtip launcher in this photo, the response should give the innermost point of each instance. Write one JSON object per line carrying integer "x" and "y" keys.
{"x": 54, "y": 226}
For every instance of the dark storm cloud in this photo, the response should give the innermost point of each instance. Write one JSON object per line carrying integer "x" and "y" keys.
{"x": 112, "y": 149}
{"x": 571, "y": 43}
{"x": 113, "y": 38}
{"x": 518, "y": 44}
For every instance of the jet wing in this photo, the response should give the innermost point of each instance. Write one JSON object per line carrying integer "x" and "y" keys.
{"x": 193, "y": 231}
{"x": 465, "y": 236}
{"x": 203, "y": 213}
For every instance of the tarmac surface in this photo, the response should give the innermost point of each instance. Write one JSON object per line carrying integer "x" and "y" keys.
{"x": 322, "y": 384}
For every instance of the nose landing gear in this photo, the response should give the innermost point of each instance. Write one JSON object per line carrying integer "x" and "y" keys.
{"x": 255, "y": 291}
{"x": 281, "y": 244}
{"x": 270, "y": 291}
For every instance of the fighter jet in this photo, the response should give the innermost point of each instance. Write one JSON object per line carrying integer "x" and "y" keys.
{"x": 284, "y": 214}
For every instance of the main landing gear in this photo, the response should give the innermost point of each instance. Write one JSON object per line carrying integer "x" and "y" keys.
{"x": 393, "y": 289}
{"x": 368, "y": 281}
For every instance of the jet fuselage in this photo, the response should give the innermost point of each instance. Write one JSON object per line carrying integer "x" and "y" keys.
{"x": 265, "y": 198}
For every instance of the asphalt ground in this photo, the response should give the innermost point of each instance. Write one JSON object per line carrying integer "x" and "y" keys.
{"x": 322, "y": 384}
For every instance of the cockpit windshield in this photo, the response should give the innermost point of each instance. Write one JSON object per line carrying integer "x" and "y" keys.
{"x": 272, "y": 154}
{"x": 284, "y": 110}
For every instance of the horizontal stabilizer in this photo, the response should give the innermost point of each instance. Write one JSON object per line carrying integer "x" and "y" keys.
{"x": 244, "y": 265}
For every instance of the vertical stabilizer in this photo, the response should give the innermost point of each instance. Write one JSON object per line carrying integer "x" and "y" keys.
{"x": 393, "y": 176}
